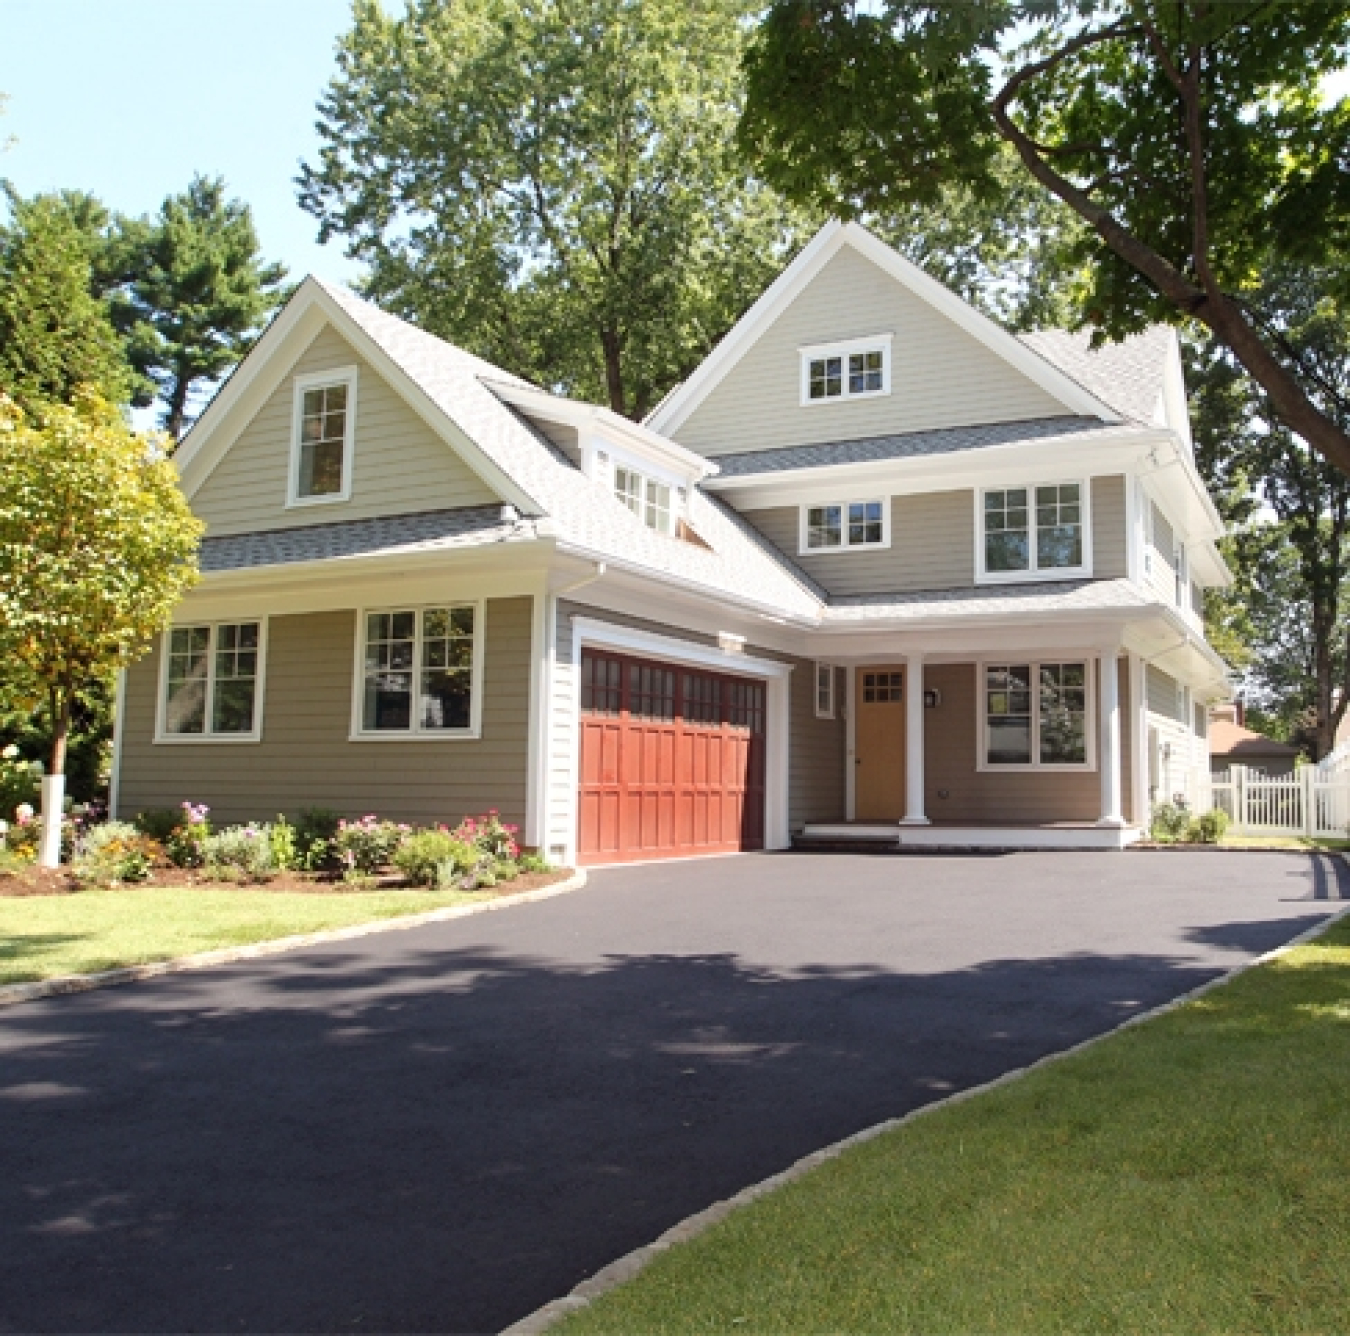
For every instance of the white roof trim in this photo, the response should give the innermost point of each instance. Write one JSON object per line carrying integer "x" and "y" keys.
{"x": 267, "y": 365}
{"x": 595, "y": 418}
{"x": 675, "y": 410}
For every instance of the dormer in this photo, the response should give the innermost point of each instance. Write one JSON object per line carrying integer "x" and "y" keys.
{"x": 646, "y": 472}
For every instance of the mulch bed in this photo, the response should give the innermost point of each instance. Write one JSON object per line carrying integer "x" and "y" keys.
{"x": 58, "y": 881}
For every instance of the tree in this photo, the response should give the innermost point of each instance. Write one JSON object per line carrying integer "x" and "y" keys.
{"x": 55, "y": 334}
{"x": 1189, "y": 136}
{"x": 190, "y": 292}
{"x": 97, "y": 544}
{"x": 552, "y": 183}
{"x": 1292, "y": 560}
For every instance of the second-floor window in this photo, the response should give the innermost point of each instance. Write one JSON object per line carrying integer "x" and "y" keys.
{"x": 648, "y": 499}
{"x": 844, "y": 524}
{"x": 323, "y": 437}
{"x": 857, "y": 369}
{"x": 1033, "y": 530}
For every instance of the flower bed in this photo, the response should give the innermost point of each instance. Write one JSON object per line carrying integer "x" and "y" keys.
{"x": 318, "y": 849}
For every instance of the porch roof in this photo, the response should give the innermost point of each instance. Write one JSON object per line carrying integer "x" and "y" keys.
{"x": 1023, "y": 600}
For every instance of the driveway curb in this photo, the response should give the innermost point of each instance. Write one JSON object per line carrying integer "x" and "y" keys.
{"x": 626, "y": 1267}
{"x": 15, "y": 993}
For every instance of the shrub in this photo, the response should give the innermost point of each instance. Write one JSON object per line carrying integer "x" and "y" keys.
{"x": 1209, "y": 828}
{"x": 20, "y": 782}
{"x": 367, "y": 845}
{"x": 532, "y": 863}
{"x": 506, "y": 870}
{"x": 1170, "y": 823}
{"x": 22, "y": 834}
{"x": 159, "y": 823}
{"x": 186, "y": 845}
{"x": 495, "y": 840}
{"x": 281, "y": 836}
{"x": 112, "y": 853}
{"x": 315, "y": 828}
{"x": 434, "y": 858}
{"x": 244, "y": 851}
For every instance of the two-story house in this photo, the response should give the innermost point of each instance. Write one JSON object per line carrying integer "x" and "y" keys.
{"x": 879, "y": 569}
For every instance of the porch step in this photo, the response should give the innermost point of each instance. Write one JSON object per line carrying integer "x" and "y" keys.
{"x": 893, "y": 839}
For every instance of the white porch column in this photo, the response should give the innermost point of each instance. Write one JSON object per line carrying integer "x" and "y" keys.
{"x": 1108, "y": 751}
{"x": 914, "y": 813}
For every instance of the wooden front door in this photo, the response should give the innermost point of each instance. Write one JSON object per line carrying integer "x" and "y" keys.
{"x": 880, "y": 743}
{"x": 672, "y": 761}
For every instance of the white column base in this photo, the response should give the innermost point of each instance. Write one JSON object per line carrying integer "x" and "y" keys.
{"x": 915, "y": 821}
{"x": 53, "y": 805}
{"x": 1112, "y": 823}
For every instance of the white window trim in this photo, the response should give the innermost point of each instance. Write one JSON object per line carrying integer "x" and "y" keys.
{"x": 1033, "y": 574}
{"x": 648, "y": 477}
{"x": 345, "y": 375}
{"x": 829, "y": 710}
{"x": 813, "y": 352}
{"x": 845, "y": 546}
{"x": 1090, "y": 720}
{"x": 162, "y": 734}
{"x": 416, "y": 733}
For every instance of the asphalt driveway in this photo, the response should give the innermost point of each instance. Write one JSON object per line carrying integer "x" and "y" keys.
{"x": 442, "y": 1128}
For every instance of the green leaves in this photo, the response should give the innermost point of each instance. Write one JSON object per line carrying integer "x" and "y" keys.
{"x": 552, "y": 185}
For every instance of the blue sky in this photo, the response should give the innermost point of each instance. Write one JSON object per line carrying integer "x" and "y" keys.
{"x": 128, "y": 98}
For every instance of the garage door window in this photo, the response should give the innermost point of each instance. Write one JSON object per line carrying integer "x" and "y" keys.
{"x": 651, "y": 692}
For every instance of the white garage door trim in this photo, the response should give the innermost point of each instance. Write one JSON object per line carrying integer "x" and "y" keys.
{"x": 588, "y": 632}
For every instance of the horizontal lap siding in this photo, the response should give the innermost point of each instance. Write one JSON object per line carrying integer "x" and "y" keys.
{"x": 951, "y": 739}
{"x": 1164, "y": 698}
{"x": 940, "y": 375}
{"x": 1110, "y": 560}
{"x": 932, "y": 546}
{"x": 400, "y": 466}
{"x": 305, "y": 758}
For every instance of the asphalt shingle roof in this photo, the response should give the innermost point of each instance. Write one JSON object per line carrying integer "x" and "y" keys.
{"x": 988, "y": 600}
{"x": 1126, "y": 376}
{"x": 427, "y": 530}
{"x": 906, "y": 445}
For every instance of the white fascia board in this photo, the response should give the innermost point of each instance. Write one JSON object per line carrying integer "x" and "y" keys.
{"x": 268, "y": 364}
{"x": 1172, "y": 479}
{"x": 677, "y": 409}
{"x": 1089, "y": 634}
{"x": 1107, "y": 452}
{"x": 1208, "y": 563}
{"x": 596, "y": 420}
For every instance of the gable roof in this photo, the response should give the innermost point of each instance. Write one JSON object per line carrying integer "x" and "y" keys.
{"x": 1232, "y": 740}
{"x": 453, "y": 391}
{"x": 679, "y": 405}
{"x": 1130, "y": 376}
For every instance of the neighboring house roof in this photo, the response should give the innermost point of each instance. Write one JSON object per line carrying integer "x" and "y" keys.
{"x": 1228, "y": 739}
{"x": 430, "y": 530}
{"x": 1129, "y": 376}
{"x": 1031, "y": 599}
{"x": 907, "y": 445}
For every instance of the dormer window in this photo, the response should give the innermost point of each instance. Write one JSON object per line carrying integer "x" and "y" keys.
{"x": 322, "y": 438}
{"x": 858, "y": 369}
{"x": 648, "y": 499}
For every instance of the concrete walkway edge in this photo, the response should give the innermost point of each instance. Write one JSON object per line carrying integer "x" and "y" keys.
{"x": 13, "y": 994}
{"x": 626, "y": 1267}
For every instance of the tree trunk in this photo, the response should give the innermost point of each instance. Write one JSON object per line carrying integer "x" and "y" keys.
{"x": 54, "y": 782}
{"x": 613, "y": 349}
{"x": 176, "y": 419}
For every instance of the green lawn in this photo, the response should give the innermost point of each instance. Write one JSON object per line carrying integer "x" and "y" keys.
{"x": 44, "y": 936}
{"x": 1191, "y": 1174}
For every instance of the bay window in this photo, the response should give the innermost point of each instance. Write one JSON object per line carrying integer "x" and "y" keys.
{"x": 1035, "y": 715}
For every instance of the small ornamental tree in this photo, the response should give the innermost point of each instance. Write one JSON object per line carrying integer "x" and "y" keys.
{"x": 97, "y": 545}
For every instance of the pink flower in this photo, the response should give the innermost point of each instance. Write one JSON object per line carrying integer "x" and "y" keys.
{"x": 23, "y": 813}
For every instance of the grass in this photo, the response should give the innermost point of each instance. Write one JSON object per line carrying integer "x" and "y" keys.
{"x": 1188, "y": 1175}
{"x": 49, "y": 935}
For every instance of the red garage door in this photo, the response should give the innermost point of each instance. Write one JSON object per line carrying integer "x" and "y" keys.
{"x": 672, "y": 761}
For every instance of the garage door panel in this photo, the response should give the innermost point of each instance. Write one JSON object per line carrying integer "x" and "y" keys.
{"x": 672, "y": 761}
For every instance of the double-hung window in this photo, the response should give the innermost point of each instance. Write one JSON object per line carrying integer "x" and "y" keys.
{"x": 420, "y": 672}
{"x": 1035, "y": 716}
{"x": 212, "y": 682}
{"x": 648, "y": 499}
{"x": 323, "y": 437}
{"x": 845, "y": 524}
{"x": 1030, "y": 531}
{"x": 858, "y": 369}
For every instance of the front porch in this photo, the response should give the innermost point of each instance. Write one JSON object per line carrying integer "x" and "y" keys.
{"x": 958, "y": 837}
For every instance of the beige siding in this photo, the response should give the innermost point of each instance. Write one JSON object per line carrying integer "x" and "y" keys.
{"x": 1164, "y": 695}
{"x": 1162, "y": 567}
{"x": 816, "y": 746}
{"x": 400, "y": 465}
{"x": 932, "y": 547}
{"x": 1110, "y": 559}
{"x": 955, "y": 791}
{"x": 940, "y": 375}
{"x": 305, "y": 758}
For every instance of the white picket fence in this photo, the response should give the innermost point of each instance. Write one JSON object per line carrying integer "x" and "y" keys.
{"x": 1311, "y": 801}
